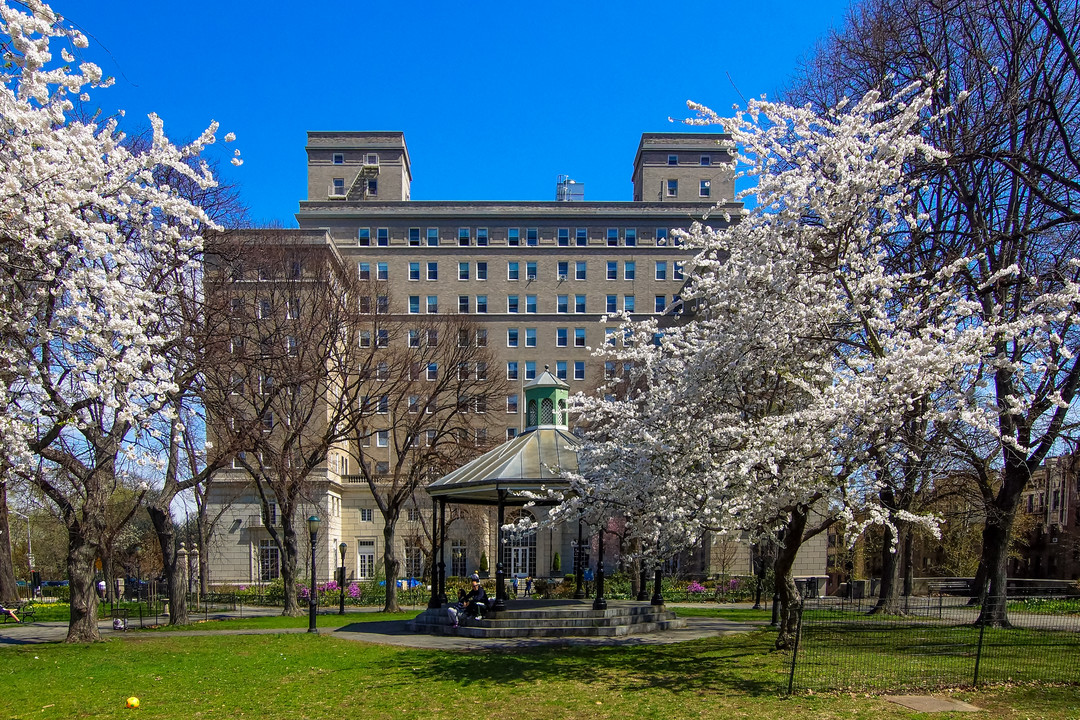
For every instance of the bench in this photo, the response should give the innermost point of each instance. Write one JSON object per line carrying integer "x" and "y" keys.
{"x": 950, "y": 587}
{"x": 25, "y": 611}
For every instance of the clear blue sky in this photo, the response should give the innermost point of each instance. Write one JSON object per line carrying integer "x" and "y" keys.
{"x": 495, "y": 99}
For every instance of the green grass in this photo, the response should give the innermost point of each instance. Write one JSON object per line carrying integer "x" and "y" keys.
{"x": 279, "y": 622}
{"x": 301, "y": 676}
{"x": 1047, "y": 606}
{"x": 745, "y": 615}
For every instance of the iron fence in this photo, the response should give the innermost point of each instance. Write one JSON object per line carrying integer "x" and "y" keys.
{"x": 934, "y": 643}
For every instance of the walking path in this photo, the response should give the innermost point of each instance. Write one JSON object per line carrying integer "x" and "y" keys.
{"x": 389, "y": 632}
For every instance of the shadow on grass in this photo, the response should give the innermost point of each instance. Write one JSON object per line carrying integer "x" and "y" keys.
{"x": 742, "y": 664}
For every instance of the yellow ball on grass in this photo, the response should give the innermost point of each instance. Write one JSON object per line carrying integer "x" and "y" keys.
{"x": 132, "y": 702}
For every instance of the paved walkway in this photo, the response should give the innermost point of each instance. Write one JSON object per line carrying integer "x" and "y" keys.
{"x": 389, "y": 632}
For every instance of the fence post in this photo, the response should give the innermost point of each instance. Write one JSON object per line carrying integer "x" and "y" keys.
{"x": 795, "y": 650}
{"x": 978, "y": 655}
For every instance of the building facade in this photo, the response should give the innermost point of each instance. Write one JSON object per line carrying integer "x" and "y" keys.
{"x": 538, "y": 280}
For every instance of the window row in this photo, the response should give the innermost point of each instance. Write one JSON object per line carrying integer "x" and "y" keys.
{"x": 514, "y": 237}
{"x": 672, "y": 189}
{"x": 562, "y": 337}
{"x": 526, "y": 370}
{"x": 528, "y": 270}
{"x": 529, "y": 305}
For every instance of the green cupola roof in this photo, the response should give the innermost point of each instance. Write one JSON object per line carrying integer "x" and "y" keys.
{"x": 545, "y": 402}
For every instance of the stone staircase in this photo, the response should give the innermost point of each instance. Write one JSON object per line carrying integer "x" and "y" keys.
{"x": 554, "y": 618}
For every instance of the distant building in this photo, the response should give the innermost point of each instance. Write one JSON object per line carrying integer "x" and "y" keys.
{"x": 1049, "y": 517}
{"x": 536, "y": 278}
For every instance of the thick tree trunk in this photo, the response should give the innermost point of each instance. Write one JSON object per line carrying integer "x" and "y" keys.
{"x": 790, "y": 600}
{"x": 391, "y": 565}
{"x": 995, "y": 556}
{"x": 166, "y": 534}
{"x": 84, "y": 598}
{"x": 889, "y": 594}
{"x": 9, "y": 589}
{"x": 289, "y": 564}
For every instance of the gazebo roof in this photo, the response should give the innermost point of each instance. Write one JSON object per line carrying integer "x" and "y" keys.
{"x": 529, "y": 462}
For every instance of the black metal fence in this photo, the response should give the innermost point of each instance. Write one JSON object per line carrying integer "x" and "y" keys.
{"x": 934, "y": 644}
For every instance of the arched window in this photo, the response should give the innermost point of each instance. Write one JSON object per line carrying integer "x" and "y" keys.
{"x": 532, "y": 414}
{"x": 519, "y": 548}
{"x": 547, "y": 412}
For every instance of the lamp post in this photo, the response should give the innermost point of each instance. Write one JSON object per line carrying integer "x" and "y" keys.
{"x": 313, "y": 529}
{"x": 579, "y": 557}
{"x": 341, "y": 583}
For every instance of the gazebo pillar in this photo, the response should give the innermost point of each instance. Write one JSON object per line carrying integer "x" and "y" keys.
{"x": 579, "y": 561}
{"x": 643, "y": 583}
{"x": 436, "y": 545}
{"x": 442, "y": 550}
{"x": 600, "y": 603}
{"x": 500, "y": 574}
{"x": 658, "y": 596}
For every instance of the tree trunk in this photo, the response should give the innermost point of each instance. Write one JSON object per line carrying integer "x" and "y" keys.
{"x": 909, "y": 570}
{"x": 82, "y": 627}
{"x": 889, "y": 594}
{"x": 290, "y": 553}
{"x": 995, "y": 555}
{"x": 166, "y": 534}
{"x": 108, "y": 572}
{"x": 790, "y": 600}
{"x": 9, "y": 589}
{"x": 391, "y": 565}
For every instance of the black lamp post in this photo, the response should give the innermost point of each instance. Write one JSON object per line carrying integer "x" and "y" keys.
{"x": 600, "y": 602}
{"x": 341, "y": 583}
{"x": 313, "y": 529}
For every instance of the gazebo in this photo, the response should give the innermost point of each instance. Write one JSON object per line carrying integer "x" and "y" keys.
{"x": 513, "y": 474}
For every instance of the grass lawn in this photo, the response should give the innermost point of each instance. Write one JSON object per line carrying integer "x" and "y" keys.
{"x": 301, "y": 676}
{"x": 274, "y": 622}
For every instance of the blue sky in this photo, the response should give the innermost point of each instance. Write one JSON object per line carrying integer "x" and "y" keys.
{"x": 495, "y": 99}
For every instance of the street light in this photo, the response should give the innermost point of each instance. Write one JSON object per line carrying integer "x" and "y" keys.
{"x": 342, "y": 548}
{"x": 313, "y": 528}
{"x": 579, "y": 558}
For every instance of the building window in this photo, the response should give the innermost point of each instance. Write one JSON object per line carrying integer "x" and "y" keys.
{"x": 371, "y": 159}
{"x": 364, "y": 270}
{"x": 676, "y": 271}
{"x": 530, "y": 271}
{"x": 673, "y": 188}
{"x": 433, "y": 371}
{"x": 530, "y": 304}
{"x": 563, "y": 270}
{"x": 628, "y": 303}
{"x": 463, "y": 271}
{"x": 382, "y": 338}
{"x": 511, "y": 433}
{"x": 414, "y": 559}
{"x": 512, "y": 271}
{"x": 363, "y": 236}
{"x": 579, "y": 337}
{"x": 661, "y": 236}
{"x": 579, "y": 369}
{"x": 582, "y": 236}
{"x": 612, "y": 304}
{"x": 382, "y": 237}
{"x": 463, "y": 303}
{"x": 672, "y": 159}
{"x": 629, "y": 270}
{"x": 269, "y": 561}
{"x": 512, "y": 374}
{"x": 481, "y": 371}
{"x": 481, "y": 335}
{"x": 560, "y": 337}
{"x": 414, "y": 237}
{"x": 382, "y": 271}
{"x": 609, "y": 370}
{"x": 612, "y": 237}
{"x": 661, "y": 303}
{"x": 414, "y": 271}
{"x": 433, "y": 337}
{"x": 481, "y": 236}
{"x": 382, "y": 304}
{"x": 373, "y": 187}
{"x": 365, "y": 556}
{"x": 706, "y": 160}
{"x": 610, "y": 336}
{"x": 432, "y": 304}
{"x": 564, "y": 237}
{"x": 382, "y": 438}
{"x": 560, "y": 369}
{"x": 414, "y": 304}
{"x": 265, "y": 309}
{"x": 661, "y": 270}
{"x": 511, "y": 303}
{"x": 463, "y": 237}
{"x": 530, "y": 337}
{"x": 579, "y": 303}
{"x": 532, "y": 237}
{"x": 513, "y": 237}
{"x": 433, "y": 237}
{"x": 703, "y": 188}
{"x": 562, "y": 303}
{"x": 433, "y": 271}
{"x": 339, "y": 158}
{"x": 366, "y": 515}
{"x": 613, "y": 270}
{"x": 530, "y": 369}
{"x": 511, "y": 337}
{"x": 338, "y": 189}
{"x": 365, "y": 338}
{"x": 414, "y": 335}
{"x": 481, "y": 303}
{"x": 580, "y": 268}
{"x": 458, "y": 558}
{"x": 630, "y": 237}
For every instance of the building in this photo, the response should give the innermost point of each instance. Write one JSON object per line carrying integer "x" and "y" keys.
{"x": 1048, "y": 523}
{"x": 536, "y": 278}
